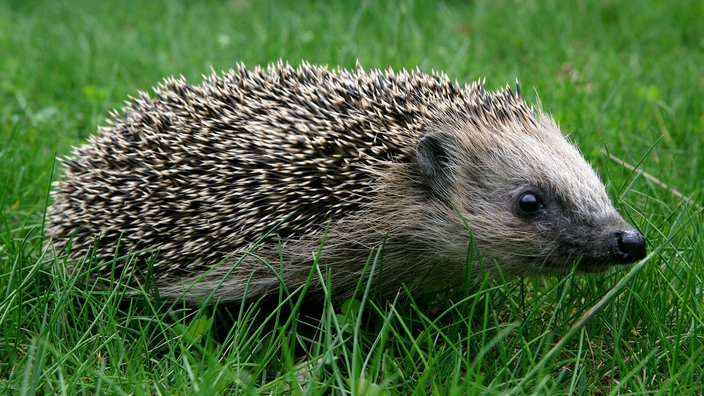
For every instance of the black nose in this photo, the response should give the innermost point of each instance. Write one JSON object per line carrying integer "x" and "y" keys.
{"x": 627, "y": 246}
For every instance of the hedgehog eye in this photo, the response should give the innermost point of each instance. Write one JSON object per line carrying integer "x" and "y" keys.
{"x": 530, "y": 204}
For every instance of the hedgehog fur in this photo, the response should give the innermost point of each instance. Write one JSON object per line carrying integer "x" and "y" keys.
{"x": 229, "y": 187}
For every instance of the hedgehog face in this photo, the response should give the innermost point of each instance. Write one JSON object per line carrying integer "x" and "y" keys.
{"x": 533, "y": 204}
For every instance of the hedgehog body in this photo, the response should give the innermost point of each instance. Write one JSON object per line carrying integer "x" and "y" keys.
{"x": 230, "y": 187}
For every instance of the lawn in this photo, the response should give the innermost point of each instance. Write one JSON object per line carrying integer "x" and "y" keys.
{"x": 623, "y": 79}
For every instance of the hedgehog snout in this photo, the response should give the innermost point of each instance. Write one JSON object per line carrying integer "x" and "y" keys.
{"x": 627, "y": 246}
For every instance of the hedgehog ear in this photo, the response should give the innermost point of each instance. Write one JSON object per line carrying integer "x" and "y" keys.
{"x": 432, "y": 156}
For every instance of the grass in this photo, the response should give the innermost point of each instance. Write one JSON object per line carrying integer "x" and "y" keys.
{"x": 623, "y": 78}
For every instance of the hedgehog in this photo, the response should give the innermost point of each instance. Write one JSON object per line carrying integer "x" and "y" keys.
{"x": 238, "y": 186}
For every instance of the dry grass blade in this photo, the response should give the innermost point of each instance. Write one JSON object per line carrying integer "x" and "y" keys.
{"x": 653, "y": 179}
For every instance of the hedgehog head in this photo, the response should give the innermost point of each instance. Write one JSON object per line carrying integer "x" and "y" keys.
{"x": 531, "y": 201}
